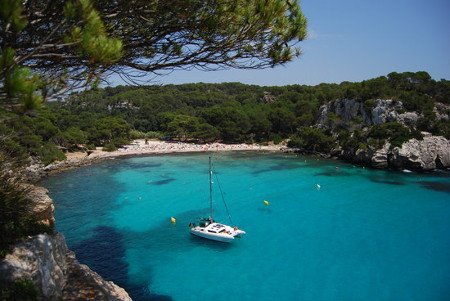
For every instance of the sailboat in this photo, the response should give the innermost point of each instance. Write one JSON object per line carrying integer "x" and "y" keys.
{"x": 210, "y": 229}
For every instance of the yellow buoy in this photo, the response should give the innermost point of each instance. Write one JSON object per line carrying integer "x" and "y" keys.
{"x": 266, "y": 202}
{"x": 173, "y": 220}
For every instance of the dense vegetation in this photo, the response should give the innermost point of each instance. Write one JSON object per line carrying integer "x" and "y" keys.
{"x": 230, "y": 112}
{"x": 17, "y": 219}
{"x": 22, "y": 289}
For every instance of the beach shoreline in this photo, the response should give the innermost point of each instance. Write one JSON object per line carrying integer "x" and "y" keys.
{"x": 140, "y": 147}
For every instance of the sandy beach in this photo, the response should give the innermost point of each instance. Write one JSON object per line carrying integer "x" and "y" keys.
{"x": 140, "y": 147}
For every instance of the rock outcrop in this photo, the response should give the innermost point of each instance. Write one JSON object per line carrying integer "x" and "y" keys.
{"x": 427, "y": 154}
{"x": 42, "y": 204}
{"x": 46, "y": 260}
{"x": 83, "y": 283}
{"x": 42, "y": 259}
{"x": 432, "y": 152}
{"x": 385, "y": 110}
{"x": 379, "y": 159}
{"x": 348, "y": 110}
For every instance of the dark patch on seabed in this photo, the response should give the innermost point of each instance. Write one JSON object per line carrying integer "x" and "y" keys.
{"x": 142, "y": 165}
{"x": 383, "y": 181}
{"x": 104, "y": 253}
{"x": 333, "y": 173}
{"x": 161, "y": 182}
{"x": 437, "y": 186}
{"x": 277, "y": 167}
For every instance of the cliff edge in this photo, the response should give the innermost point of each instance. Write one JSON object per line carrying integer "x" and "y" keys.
{"x": 46, "y": 260}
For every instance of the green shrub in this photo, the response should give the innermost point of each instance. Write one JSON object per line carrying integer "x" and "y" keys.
{"x": 22, "y": 289}
{"x": 109, "y": 147}
{"x": 91, "y": 146}
{"x": 16, "y": 219}
{"x": 49, "y": 153}
{"x": 154, "y": 135}
{"x": 74, "y": 136}
{"x": 277, "y": 139}
{"x": 135, "y": 134}
{"x": 312, "y": 139}
{"x": 120, "y": 141}
{"x": 396, "y": 132}
{"x": 369, "y": 105}
{"x": 14, "y": 149}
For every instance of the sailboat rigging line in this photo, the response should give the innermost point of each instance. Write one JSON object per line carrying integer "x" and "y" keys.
{"x": 210, "y": 189}
{"x": 223, "y": 198}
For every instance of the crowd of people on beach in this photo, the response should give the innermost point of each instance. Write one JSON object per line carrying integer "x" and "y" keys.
{"x": 154, "y": 146}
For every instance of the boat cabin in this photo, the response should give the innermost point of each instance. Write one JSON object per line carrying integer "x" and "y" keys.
{"x": 205, "y": 222}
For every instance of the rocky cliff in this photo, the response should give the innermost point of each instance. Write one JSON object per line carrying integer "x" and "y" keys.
{"x": 46, "y": 260}
{"x": 428, "y": 153}
{"x": 370, "y": 113}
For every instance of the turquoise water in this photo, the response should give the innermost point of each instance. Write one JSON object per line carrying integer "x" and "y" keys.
{"x": 364, "y": 235}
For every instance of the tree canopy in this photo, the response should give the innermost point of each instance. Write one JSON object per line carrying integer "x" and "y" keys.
{"x": 55, "y": 45}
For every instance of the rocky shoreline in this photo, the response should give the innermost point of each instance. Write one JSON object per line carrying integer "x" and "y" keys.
{"x": 427, "y": 154}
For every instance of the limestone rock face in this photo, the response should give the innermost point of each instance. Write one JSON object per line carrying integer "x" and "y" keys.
{"x": 83, "y": 284}
{"x": 409, "y": 118}
{"x": 442, "y": 111}
{"x": 46, "y": 260}
{"x": 430, "y": 153}
{"x": 380, "y": 157}
{"x": 346, "y": 109}
{"x": 34, "y": 171}
{"x": 43, "y": 207}
{"x": 41, "y": 259}
{"x": 385, "y": 110}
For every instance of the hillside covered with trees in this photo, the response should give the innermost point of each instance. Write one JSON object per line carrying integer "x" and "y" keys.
{"x": 229, "y": 112}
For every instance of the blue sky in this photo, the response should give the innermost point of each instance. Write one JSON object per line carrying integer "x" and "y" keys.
{"x": 353, "y": 40}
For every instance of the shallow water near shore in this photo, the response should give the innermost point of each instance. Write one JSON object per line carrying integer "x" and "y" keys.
{"x": 332, "y": 231}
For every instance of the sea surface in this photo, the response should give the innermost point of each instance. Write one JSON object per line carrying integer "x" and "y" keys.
{"x": 331, "y": 231}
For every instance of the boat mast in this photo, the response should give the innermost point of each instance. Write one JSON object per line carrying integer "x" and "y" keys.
{"x": 210, "y": 188}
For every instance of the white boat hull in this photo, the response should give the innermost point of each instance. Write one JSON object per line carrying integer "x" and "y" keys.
{"x": 216, "y": 237}
{"x": 208, "y": 232}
